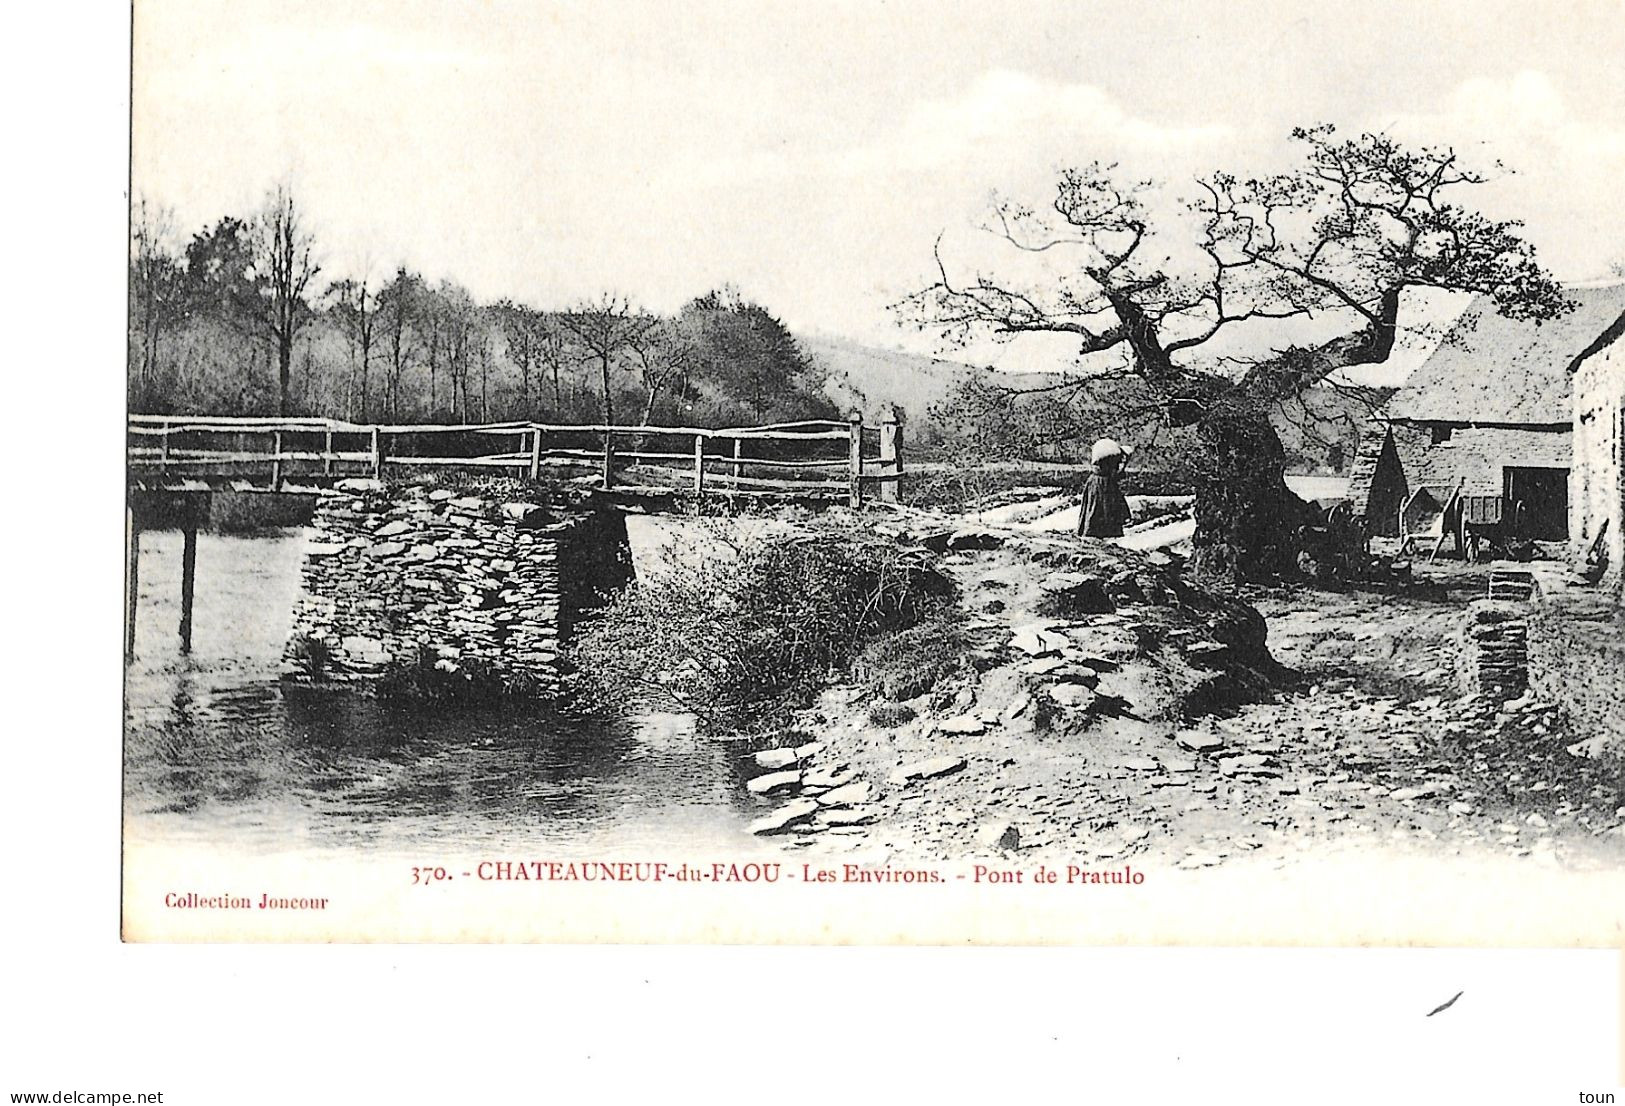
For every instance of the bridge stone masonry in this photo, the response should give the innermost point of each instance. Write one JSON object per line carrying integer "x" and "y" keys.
{"x": 396, "y": 576}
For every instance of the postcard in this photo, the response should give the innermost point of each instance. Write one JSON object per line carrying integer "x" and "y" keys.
{"x": 855, "y": 474}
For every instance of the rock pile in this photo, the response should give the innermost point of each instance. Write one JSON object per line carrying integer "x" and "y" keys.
{"x": 392, "y": 575}
{"x": 1493, "y": 658}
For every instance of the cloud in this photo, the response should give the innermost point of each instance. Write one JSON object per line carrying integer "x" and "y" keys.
{"x": 1003, "y": 115}
{"x": 1564, "y": 168}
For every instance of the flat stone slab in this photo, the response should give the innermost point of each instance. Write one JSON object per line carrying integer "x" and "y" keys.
{"x": 927, "y": 769}
{"x": 1403, "y": 793}
{"x": 852, "y": 794}
{"x": 1140, "y": 764}
{"x": 788, "y": 815}
{"x": 774, "y": 781}
{"x": 1253, "y": 764}
{"x": 1073, "y": 696}
{"x": 838, "y": 776}
{"x": 1199, "y": 742}
{"x": 1038, "y": 641}
{"x": 845, "y": 817}
{"x": 963, "y": 724}
{"x": 775, "y": 758}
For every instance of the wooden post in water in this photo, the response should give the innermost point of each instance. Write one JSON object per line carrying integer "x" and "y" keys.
{"x": 188, "y": 579}
{"x": 891, "y": 457}
{"x": 327, "y": 451}
{"x": 699, "y": 464}
{"x": 276, "y": 460}
{"x": 536, "y": 454}
{"x": 854, "y": 460}
{"x": 132, "y": 578}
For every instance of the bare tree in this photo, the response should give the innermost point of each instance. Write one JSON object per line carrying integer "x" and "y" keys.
{"x": 662, "y": 354}
{"x": 157, "y": 293}
{"x": 398, "y": 308}
{"x": 1343, "y": 236}
{"x": 455, "y": 339}
{"x": 355, "y": 309}
{"x": 283, "y": 268}
{"x": 608, "y": 330}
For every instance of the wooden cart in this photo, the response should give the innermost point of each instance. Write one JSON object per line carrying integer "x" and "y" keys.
{"x": 1491, "y": 524}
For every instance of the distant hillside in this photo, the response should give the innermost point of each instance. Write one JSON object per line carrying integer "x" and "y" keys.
{"x": 873, "y": 379}
{"x": 1319, "y": 434}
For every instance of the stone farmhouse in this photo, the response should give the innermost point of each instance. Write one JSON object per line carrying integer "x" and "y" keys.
{"x": 1597, "y": 480}
{"x": 1493, "y": 411}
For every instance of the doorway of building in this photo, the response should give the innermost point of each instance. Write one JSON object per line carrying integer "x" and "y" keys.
{"x": 1544, "y": 494}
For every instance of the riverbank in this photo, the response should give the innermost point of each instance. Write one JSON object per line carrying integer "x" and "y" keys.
{"x": 1069, "y": 738}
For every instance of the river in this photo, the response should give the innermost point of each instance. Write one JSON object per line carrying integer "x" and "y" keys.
{"x": 218, "y": 753}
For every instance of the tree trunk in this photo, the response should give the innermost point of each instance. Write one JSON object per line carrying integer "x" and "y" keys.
{"x": 1247, "y": 520}
{"x": 284, "y": 368}
{"x": 609, "y": 418}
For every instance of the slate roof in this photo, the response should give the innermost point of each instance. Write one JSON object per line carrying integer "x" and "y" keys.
{"x": 1492, "y": 369}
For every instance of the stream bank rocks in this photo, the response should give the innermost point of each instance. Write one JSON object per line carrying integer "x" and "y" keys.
{"x": 1075, "y": 650}
{"x": 405, "y": 574}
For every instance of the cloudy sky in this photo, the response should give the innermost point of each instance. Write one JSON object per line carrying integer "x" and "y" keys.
{"x": 812, "y": 153}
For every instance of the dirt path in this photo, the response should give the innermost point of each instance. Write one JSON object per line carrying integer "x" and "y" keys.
{"x": 1366, "y": 744}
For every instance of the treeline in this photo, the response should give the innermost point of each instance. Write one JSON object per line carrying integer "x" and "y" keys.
{"x": 241, "y": 319}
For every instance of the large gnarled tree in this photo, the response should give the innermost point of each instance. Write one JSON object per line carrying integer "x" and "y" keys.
{"x": 1342, "y": 237}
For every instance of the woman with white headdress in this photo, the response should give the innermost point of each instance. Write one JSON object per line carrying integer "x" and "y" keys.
{"x": 1105, "y": 509}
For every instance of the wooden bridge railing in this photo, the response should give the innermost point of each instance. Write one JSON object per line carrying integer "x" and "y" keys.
{"x": 804, "y": 454}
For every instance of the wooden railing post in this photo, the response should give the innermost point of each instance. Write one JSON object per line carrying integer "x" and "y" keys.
{"x": 854, "y": 460}
{"x": 609, "y": 458}
{"x": 739, "y": 469}
{"x": 891, "y": 457}
{"x": 132, "y": 579}
{"x": 699, "y": 464}
{"x": 536, "y": 453}
{"x": 327, "y": 450}
{"x": 276, "y": 460}
{"x": 377, "y": 454}
{"x": 163, "y": 456}
{"x": 188, "y": 581}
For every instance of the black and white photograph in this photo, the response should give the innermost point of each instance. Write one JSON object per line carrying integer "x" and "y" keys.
{"x": 1006, "y": 474}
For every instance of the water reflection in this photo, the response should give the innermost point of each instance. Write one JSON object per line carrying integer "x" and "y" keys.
{"x": 217, "y": 751}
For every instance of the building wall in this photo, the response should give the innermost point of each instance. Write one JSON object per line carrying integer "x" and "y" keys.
{"x": 1477, "y": 456}
{"x": 1597, "y": 484}
{"x": 1576, "y": 648}
{"x": 1406, "y": 457}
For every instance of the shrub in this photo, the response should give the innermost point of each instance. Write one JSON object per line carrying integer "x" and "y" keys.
{"x": 889, "y": 716}
{"x": 750, "y": 631}
{"x": 427, "y": 677}
{"x": 312, "y": 654}
{"x": 912, "y": 661}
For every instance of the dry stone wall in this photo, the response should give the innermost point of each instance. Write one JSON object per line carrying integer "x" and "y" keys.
{"x": 406, "y": 575}
{"x": 1492, "y": 657}
{"x": 1577, "y": 659}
